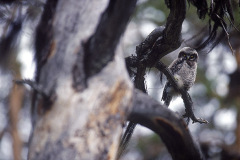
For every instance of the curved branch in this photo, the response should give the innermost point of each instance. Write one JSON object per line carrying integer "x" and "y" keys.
{"x": 160, "y": 42}
{"x": 171, "y": 35}
{"x": 163, "y": 40}
{"x": 167, "y": 124}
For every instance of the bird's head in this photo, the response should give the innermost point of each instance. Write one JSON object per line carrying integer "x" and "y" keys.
{"x": 188, "y": 54}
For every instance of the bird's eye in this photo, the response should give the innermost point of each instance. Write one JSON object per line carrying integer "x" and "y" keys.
{"x": 185, "y": 56}
{"x": 181, "y": 54}
{"x": 192, "y": 57}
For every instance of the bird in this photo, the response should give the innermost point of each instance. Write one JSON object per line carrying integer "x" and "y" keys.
{"x": 184, "y": 70}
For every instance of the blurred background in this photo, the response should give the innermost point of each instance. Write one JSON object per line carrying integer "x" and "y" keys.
{"x": 216, "y": 93}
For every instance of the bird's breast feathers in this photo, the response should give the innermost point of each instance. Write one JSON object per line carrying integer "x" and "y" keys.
{"x": 187, "y": 75}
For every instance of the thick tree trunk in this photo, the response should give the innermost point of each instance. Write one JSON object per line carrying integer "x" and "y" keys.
{"x": 75, "y": 117}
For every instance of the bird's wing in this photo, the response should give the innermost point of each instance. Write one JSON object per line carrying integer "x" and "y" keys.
{"x": 176, "y": 65}
{"x": 165, "y": 91}
{"x": 167, "y": 97}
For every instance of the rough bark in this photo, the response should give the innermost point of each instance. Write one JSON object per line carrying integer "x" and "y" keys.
{"x": 84, "y": 117}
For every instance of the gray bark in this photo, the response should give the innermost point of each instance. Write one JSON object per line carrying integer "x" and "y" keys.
{"x": 84, "y": 119}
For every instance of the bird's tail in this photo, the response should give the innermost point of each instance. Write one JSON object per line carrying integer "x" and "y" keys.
{"x": 167, "y": 100}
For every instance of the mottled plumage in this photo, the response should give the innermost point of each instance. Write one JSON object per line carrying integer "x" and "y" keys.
{"x": 184, "y": 69}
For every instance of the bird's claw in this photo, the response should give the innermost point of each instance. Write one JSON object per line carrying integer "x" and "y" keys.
{"x": 194, "y": 119}
{"x": 200, "y": 120}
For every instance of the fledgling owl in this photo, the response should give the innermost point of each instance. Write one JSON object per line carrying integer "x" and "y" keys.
{"x": 184, "y": 70}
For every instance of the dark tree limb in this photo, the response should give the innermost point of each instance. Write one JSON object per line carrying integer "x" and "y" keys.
{"x": 201, "y": 6}
{"x": 146, "y": 46}
{"x": 44, "y": 36}
{"x": 163, "y": 40}
{"x": 10, "y": 37}
{"x": 171, "y": 35}
{"x": 168, "y": 125}
{"x": 48, "y": 98}
{"x": 159, "y": 43}
{"x": 36, "y": 87}
{"x": 99, "y": 50}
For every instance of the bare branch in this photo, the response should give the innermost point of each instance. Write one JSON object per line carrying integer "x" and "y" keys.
{"x": 225, "y": 30}
{"x": 38, "y": 88}
{"x": 44, "y": 35}
{"x": 201, "y": 6}
{"x": 168, "y": 125}
{"x": 159, "y": 43}
{"x": 170, "y": 38}
{"x": 48, "y": 98}
{"x": 10, "y": 36}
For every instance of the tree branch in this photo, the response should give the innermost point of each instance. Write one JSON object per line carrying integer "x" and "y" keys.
{"x": 48, "y": 98}
{"x": 171, "y": 35}
{"x": 168, "y": 125}
{"x": 44, "y": 36}
{"x": 160, "y": 42}
{"x": 99, "y": 50}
